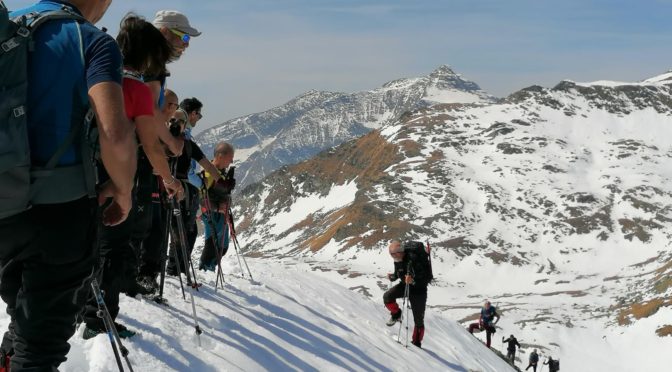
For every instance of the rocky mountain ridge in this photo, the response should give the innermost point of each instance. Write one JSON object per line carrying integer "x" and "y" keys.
{"x": 315, "y": 121}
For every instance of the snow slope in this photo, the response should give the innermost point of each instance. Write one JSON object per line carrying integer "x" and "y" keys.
{"x": 288, "y": 319}
{"x": 555, "y": 203}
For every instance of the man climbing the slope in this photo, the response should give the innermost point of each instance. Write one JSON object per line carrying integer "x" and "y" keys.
{"x": 412, "y": 267}
{"x": 486, "y": 322}
{"x": 511, "y": 348}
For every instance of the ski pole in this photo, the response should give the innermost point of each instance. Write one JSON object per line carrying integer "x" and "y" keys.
{"x": 408, "y": 305}
{"x": 112, "y": 333}
{"x": 236, "y": 244}
{"x": 403, "y": 305}
{"x": 164, "y": 246}
{"x": 194, "y": 286}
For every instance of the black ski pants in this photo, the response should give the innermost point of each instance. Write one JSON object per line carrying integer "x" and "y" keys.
{"x": 188, "y": 209}
{"x": 117, "y": 268}
{"x": 417, "y": 297}
{"x": 511, "y": 355}
{"x": 154, "y": 246}
{"x": 47, "y": 257}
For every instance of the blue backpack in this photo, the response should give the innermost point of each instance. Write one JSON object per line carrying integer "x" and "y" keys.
{"x": 22, "y": 184}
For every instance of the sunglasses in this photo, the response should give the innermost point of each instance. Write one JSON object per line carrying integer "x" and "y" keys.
{"x": 184, "y": 37}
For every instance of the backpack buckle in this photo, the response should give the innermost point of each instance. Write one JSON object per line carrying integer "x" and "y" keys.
{"x": 23, "y": 32}
{"x": 9, "y": 45}
{"x": 19, "y": 111}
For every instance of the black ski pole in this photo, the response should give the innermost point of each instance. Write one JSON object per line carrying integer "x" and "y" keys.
{"x": 112, "y": 333}
{"x": 194, "y": 287}
{"x": 236, "y": 245}
{"x": 164, "y": 245}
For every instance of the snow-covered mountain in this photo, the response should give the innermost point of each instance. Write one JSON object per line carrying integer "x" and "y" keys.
{"x": 288, "y": 320}
{"x": 316, "y": 121}
{"x": 554, "y": 203}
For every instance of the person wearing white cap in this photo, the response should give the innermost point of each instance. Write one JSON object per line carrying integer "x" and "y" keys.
{"x": 176, "y": 29}
{"x": 148, "y": 234}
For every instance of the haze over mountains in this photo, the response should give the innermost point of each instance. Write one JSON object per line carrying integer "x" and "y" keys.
{"x": 556, "y": 203}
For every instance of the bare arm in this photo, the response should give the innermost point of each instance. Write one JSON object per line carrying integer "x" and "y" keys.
{"x": 117, "y": 147}
{"x": 174, "y": 144}
{"x": 154, "y": 151}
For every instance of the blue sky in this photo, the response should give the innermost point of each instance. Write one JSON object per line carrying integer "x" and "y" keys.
{"x": 257, "y": 54}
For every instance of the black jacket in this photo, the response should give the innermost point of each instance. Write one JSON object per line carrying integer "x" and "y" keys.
{"x": 513, "y": 342}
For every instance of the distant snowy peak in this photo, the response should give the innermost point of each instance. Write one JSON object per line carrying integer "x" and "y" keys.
{"x": 317, "y": 120}
{"x": 446, "y": 86}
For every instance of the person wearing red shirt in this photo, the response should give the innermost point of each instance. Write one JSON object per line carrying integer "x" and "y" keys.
{"x": 145, "y": 51}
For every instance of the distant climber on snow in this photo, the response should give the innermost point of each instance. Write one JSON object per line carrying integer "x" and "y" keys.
{"x": 534, "y": 359}
{"x": 511, "y": 348}
{"x": 486, "y": 321}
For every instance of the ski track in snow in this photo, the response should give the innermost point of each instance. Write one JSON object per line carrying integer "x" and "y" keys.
{"x": 288, "y": 319}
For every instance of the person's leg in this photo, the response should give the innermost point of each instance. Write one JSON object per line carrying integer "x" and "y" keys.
{"x": 390, "y": 298}
{"x": 488, "y": 336}
{"x": 17, "y": 233}
{"x": 152, "y": 241}
{"x": 55, "y": 283}
{"x": 418, "y": 298}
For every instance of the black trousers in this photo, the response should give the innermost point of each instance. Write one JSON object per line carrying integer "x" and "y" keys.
{"x": 417, "y": 297}
{"x": 153, "y": 247}
{"x": 188, "y": 210}
{"x": 511, "y": 355}
{"x": 47, "y": 257}
{"x": 117, "y": 268}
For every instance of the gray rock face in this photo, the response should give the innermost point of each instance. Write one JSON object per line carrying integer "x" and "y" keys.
{"x": 316, "y": 121}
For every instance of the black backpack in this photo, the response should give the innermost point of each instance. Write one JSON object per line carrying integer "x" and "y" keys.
{"x": 22, "y": 184}
{"x": 420, "y": 260}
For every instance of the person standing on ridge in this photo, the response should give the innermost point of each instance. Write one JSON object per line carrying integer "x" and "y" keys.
{"x": 215, "y": 199}
{"x": 48, "y": 252}
{"x": 486, "y": 322}
{"x": 190, "y": 204}
{"x": 511, "y": 348}
{"x": 534, "y": 359}
{"x": 144, "y": 50}
{"x": 412, "y": 269}
{"x": 176, "y": 29}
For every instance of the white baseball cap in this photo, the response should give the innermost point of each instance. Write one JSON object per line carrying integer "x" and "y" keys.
{"x": 176, "y": 20}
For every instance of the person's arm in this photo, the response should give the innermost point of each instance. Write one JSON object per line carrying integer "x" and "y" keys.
{"x": 174, "y": 144}
{"x": 117, "y": 149}
{"x": 154, "y": 151}
{"x": 211, "y": 169}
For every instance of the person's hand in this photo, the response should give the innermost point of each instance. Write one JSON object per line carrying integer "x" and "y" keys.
{"x": 408, "y": 279}
{"x": 121, "y": 205}
{"x": 174, "y": 188}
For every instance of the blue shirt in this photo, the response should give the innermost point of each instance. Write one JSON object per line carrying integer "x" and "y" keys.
{"x": 488, "y": 315}
{"x": 69, "y": 58}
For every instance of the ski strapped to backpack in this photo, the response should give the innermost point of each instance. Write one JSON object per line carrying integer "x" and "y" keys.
{"x": 21, "y": 183}
{"x": 421, "y": 261}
